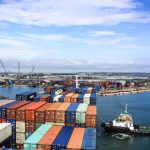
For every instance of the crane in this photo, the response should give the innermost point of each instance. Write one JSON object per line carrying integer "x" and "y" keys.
{"x": 4, "y": 68}
{"x": 8, "y": 81}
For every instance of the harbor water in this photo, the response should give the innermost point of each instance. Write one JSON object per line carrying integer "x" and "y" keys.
{"x": 109, "y": 107}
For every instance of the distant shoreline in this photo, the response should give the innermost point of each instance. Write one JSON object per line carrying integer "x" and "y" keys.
{"x": 123, "y": 91}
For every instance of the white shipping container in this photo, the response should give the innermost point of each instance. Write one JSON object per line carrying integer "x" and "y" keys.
{"x": 20, "y": 126}
{"x": 56, "y": 98}
{"x": 81, "y": 113}
{"x": 20, "y": 137}
{"x": 87, "y": 98}
{"x": 5, "y": 131}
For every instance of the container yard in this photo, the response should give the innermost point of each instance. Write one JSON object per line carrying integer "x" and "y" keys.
{"x": 52, "y": 119}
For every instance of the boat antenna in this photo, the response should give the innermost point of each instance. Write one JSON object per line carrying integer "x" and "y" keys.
{"x": 126, "y": 108}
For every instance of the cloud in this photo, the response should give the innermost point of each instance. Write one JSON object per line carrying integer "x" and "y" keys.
{"x": 105, "y": 33}
{"x": 64, "y": 65}
{"x": 72, "y": 12}
{"x": 26, "y": 54}
{"x": 11, "y": 41}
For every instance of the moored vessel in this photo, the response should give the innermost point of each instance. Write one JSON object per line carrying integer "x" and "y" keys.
{"x": 124, "y": 124}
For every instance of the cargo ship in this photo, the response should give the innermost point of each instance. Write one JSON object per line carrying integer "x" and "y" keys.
{"x": 124, "y": 124}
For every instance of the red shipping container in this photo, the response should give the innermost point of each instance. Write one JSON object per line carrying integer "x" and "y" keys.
{"x": 11, "y": 111}
{"x": 30, "y": 111}
{"x": 40, "y": 113}
{"x": 20, "y": 112}
{"x": 47, "y": 140}
{"x": 44, "y": 98}
{"x": 60, "y": 113}
{"x": 29, "y": 126}
{"x": 74, "y": 98}
{"x": 67, "y": 97}
{"x": 3, "y": 121}
{"x": 19, "y": 146}
{"x": 91, "y": 117}
{"x": 50, "y": 112}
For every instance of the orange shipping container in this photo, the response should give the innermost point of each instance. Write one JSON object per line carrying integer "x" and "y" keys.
{"x": 47, "y": 140}
{"x": 91, "y": 117}
{"x": 60, "y": 113}
{"x": 11, "y": 111}
{"x": 67, "y": 97}
{"x": 40, "y": 113}
{"x": 74, "y": 98}
{"x": 20, "y": 112}
{"x": 44, "y": 98}
{"x": 50, "y": 112}
{"x": 30, "y": 111}
{"x": 75, "y": 142}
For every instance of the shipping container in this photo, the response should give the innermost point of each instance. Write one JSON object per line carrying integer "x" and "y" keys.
{"x": 60, "y": 113}
{"x": 56, "y": 98}
{"x": 32, "y": 141}
{"x": 47, "y": 140}
{"x": 11, "y": 111}
{"x": 91, "y": 117}
{"x": 45, "y": 98}
{"x": 20, "y": 126}
{"x": 50, "y": 112}
{"x": 37, "y": 125}
{"x": 87, "y": 98}
{"x": 93, "y": 99}
{"x": 20, "y": 137}
{"x": 29, "y": 126}
{"x": 19, "y": 146}
{"x": 26, "y": 96}
{"x": 81, "y": 115}
{"x": 40, "y": 113}
{"x": 30, "y": 111}
{"x": 89, "y": 140}
{"x": 80, "y": 98}
{"x": 70, "y": 114}
{"x": 76, "y": 139}
{"x": 67, "y": 97}
{"x": 3, "y": 109}
{"x": 20, "y": 112}
{"x": 74, "y": 98}
{"x": 62, "y": 139}
{"x": 5, "y": 131}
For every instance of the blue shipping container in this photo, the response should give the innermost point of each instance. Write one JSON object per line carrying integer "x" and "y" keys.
{"x": 89, "y": 140}
{"x": 61, "y": 141}
{"x": 70, "y": 114}
{"x": 80, "y": 98}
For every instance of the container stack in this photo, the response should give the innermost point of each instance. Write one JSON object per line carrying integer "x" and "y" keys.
{"x": 69, "y": 123}
{"x": 25, "y": 122}
{"x": 11, "y": 118}
{"x": 26, "y": 96}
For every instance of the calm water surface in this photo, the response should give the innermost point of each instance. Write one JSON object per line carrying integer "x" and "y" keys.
{"x": 12, "y": 91}
{"x": 109, "y": 107}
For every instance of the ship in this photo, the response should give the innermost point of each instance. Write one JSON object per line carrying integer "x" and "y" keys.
{"x": 124, "y": 124}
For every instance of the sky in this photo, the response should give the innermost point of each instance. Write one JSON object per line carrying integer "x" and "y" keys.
{"x": 75, "y": 35}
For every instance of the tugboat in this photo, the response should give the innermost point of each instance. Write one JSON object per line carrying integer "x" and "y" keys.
{"x": 124, "y": 124}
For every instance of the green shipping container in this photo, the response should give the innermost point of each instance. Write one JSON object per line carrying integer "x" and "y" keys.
{"x": 31, "y": 142}
{"x": 81, "y": 113}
